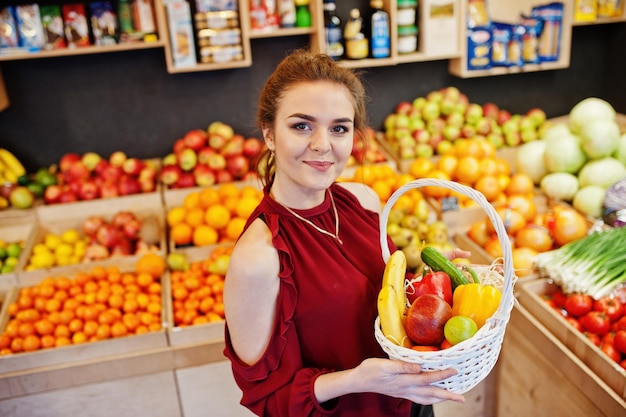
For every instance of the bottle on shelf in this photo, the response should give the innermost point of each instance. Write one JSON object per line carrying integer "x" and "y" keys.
{"x": 303, "y": 14}
{"x": 287, "y": 11}
{"x": 356, "y": 42}
{"x": 332, "y": 30}
{"x": 378, "y": 30}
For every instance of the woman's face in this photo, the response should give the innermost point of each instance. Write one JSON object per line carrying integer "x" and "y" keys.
{"x": 311, "y": 138}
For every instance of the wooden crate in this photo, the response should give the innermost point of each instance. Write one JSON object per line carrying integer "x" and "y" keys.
{"x": 84, "y": 351}
{"x": 58, "y": 218}
{"x": 531, "y": 297}
{"x": 198, "y": 333}
{"x": 16, "y": 232}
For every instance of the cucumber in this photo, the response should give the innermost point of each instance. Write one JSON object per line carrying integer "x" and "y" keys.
{"x": 437, "y": 262}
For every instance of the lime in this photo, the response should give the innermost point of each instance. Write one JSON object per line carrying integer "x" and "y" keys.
{"x": 3, "y": 253}
{"x": 45, "y": 177}
{"x": 14, "y": 250}
{"x": 11, "y": 261}
{"x": 23, "y": 180}
{"x": 6, "y": 269}
{"x": 36, "y": 188}
{"x": 459, "y": 328}
{"x": 177, "y": 262}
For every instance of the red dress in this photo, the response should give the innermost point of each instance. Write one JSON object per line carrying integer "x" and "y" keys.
{"x": 326, "y": 311}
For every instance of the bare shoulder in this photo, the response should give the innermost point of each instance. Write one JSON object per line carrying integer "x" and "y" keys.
{"x": 365, "y": 194}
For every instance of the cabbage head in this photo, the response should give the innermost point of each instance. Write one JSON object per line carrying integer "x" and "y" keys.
{"x": 564, "y": 154}
{"x": 589, "y": 109}
{"x": 602, "y": 172}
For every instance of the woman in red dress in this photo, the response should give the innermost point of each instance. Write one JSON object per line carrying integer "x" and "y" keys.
{"x": 303, "y": 279}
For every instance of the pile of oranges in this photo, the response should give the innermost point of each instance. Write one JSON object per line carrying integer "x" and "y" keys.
{"x": 472, "y": 162}
{"x": 212, "y": 215}
{"x": 197, "y": 293}
{"x": 97, "y": 305}
{"x": 384, "y": 180}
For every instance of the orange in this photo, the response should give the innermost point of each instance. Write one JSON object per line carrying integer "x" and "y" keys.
{"x": 17, "y": 344}
{"x": 144, "y": 279}
{"x": 231, "y": 203}
{"x": 436, "y": 191}
{"x": 118, "y": 329}
{"x": 245, "y": 206}
{"x": 204, "y": 235}
{"x": 535, "y": 237}
{"x": 208, "y": 197}
{"x": 31, "y": 343}
{"x": 468, "y": 147}
{"x": 524, "y": 205}
{"x": 467, "y": 170}
{"x": 90, "y": 328}
{"x": 98, "y": 272}
{"x": 488, "y": 166}
{"x": 152, "y": 264}
{"x": 503, "y": 166}
{"x": 489, "y": 149}
{"x": 116, "y": 301}
{"x": 175, "y": 216}
{"x": 44, "y": 327}
{"x": 130, "y": 306}
{"x": 421, "y": 167}
{"x": 523, "y": 260}
{"x": 191, "y": 200}
{"x": 131, "y": 321}
{"x": 194, "y": 217}
{"x": 488, "y": 185}
{"x": 103, "y": 332}
{"x": 227, "y": 189}
{"x": 48, "y": 341}
{"x": 447, "y": 163}
{"x": 405, "y": 204}
{"x": 79, "y": 337}
{"x": 62, "y": 341}
{"x": 382, "y": 189}
{"x": 61, "y": 331}
{"x": 250, "y": 191}
{"x": 235, "y": 228}
{"x": 520, "y": 183}
{"x": 62, "y": 283}
{"x": 217, "y": 216}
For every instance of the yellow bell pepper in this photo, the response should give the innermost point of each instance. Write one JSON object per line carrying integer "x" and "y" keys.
{"x": 476, "y": 301}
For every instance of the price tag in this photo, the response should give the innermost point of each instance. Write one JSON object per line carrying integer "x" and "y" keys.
{"x": 449, "y": 204}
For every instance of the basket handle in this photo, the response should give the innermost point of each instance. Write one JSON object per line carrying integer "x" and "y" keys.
{"x": 480, "y": 199}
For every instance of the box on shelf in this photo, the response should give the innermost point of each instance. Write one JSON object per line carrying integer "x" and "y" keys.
{"x": 58, "y": 218}
{"x": 439, "y": 27}
{"x": 531, "y": 297}
{"x": 196, "y": 333}
{"x": 84, "y": 351}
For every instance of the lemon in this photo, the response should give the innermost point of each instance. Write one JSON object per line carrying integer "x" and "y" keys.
{"x": 70, "y": 236}
{"x": 11, "y": 262}
{"x": 52, "y": 241}
{"x": 64, "y": 250}
{"x": 80, "y": 248}
{"x": 40, "y": 248}
{"x": 43, "y": 260}
{"x": 63, "y": 260}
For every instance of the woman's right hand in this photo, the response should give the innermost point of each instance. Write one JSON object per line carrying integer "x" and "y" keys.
{"x": 403, "y": 380}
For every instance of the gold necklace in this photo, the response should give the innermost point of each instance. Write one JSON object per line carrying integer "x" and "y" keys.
{"x": 316, "y": 227}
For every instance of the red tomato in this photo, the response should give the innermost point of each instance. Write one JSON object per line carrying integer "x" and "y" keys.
{"x": 623, "y": 364}
{"x": 445, "y": 344}
{"x": 609, "y": 338}
{"x": 611, "y": 352}
{"x": 594, "y": 338}
{"x": 559, "y": 297}
{"x": 421, "y": 348}
{"x": 620, "y": 324}
{"x": 578, "y": 304}
{"x": 619, "y": 341}
{"x": 573, "y": 321}
{"x": 611, "y": 306}
{"x": 596, "y": 322}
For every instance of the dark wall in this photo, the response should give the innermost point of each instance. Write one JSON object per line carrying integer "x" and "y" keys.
{"x": 127, "y": 100}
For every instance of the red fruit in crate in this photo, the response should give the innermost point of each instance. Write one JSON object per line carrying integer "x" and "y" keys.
{"x": 252, "y": 147}
{"x": 76, "y": 172}
{"x": 117, "y": 158}
{"x": 88, "y": 190}
{"x": 237, "y": 165}
{"x": 123, "y": 248}
{"x": 170, "y": 174}
{"x": 132, "y": 229}
{"x": 217, "y": 141}
{"x": 179, "y": 146}
{"x": 67, "y": 196}
{"x": 204, "y": 175}
{"x": 186, "y": 180}
{"x": 109, "y": 190}
{"x": 100, "y": 167}
{"x": 111, "y": 173}
{"x": 52, "y": 194}
{"x": 426, "y": 318}
{"x": 95, "y": 252}
{"x": 121, "y": 218}
{"x": 91, "y": 225}
{"x": 128, "y": 185}
{"x": 216, "y": 161}
{"x": 195, "y": 139}
{"x": 204, "y": 155}
{"x": 68, "y": 160}
{"x": 108, "y": 236}
{"x": 233, "y": 147}
{"x": 133, "y": 166}
{"x": 222, "y": 176}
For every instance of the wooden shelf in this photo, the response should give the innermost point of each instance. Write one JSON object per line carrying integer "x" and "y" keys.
{"x": 256, "y": 34}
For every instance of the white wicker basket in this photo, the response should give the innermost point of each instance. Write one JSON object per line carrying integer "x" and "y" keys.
{"x": 473, "y": 358}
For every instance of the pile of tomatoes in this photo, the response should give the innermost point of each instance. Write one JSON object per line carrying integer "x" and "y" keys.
{"x": 602, "y": 320}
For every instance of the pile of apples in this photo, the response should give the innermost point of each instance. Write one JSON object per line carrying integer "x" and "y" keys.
{"x": 429, "y": 125}
{"x": 90, "y": 176}
{"x": 366, "y": 150}
{"x": 212, "y": 156}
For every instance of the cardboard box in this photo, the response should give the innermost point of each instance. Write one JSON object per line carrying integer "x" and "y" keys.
{"x": 531, "y": 295}
{"x": 84, "y": 351}
{"x": 439, "y": 27}
{"x": 181, "y": 34}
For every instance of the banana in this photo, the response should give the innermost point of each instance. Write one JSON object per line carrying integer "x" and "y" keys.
{"x": 12, "y": 163}
{"x": 9, "y": 176}
{"x": 390, "y": 321}
{"x": 394, "y": 275}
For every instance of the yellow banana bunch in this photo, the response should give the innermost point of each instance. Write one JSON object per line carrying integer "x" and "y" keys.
{"x": 394, "y": 275}
{"x": 391, "y": 322}
{"x": 10, "y": 167}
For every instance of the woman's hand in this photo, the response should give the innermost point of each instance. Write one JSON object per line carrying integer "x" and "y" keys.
{"x": 457, "y": 253}
{"x": 403, "y": 380}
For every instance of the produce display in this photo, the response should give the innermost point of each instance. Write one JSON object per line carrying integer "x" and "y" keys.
{"x": 211, "y": 215}
{"x": 441, "y": 308}
{"x": 9, "y": 255}
{"x": 197, "y": 287}
{"x": 103, "y": 303}
{"x": 431, "y": 124}
{"x": 366, "y": 150}
{"x": 12, "y": 195}
{"x": 212, "y": 156}
{"x": 577, "y": 160}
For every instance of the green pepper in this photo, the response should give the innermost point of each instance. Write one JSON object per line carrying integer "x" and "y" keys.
{"x": 476, "y": 301}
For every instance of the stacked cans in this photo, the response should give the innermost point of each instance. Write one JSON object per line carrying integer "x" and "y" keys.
{"x": 219, "y": 34}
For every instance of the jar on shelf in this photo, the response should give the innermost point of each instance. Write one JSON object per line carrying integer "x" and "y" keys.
{"x": 407, "y": 12}
{"x": 407, "y": 39}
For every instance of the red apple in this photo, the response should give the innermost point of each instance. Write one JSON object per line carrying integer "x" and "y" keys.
{"x": 503, "y": 116}
{"x": 91, "y": 159}
{"x": 88, "y": 190}
{"x": 68, "y": 160}
{"x": 95, "y": 252}
{"x": 473, "y": 113}
{"x": 187, "y": 159}
{"x": 108, "y": 235}
{"x": 52, "y": 193}
{"x": 170, "y": 174}
{"x": 92, "y": 224}
{"x": 233, "y": 147}
{"x": 195, "y": 139}
{"x": 133, "y": 166}
{"x": 117, "y": 158}
{"x": 121, "y": 218}
{"x": 179, "y": 146}
{"x": 221, "y": 129}
{"x": 204, "y": 176}
{"x": 538, "y": 116}
{"x": 128, "y": 185}
{"x": 186, "y": 180}
{"x": 253, "y": 147}
{"x": 67, "y": 196}
{"x": 108, "y": 190}
{"x": 131, "y": 229}
{"x": 421, "y": 135}
{"x": 216, "y": 141}
{"x": 123, "y": 248}
{"x": 222, "y": 176}
{"x": 237, "y": 165}
{"x": 404, "y": 107}
{"x": 111, "y": 173}
{"x": 101, "y": 166}
{"x": 205, "y": 154}
{"x": 76, "y": 172}
{"x": 483, "y": 126}
{"x": 426, "y": 319}
{"x": 216, "y": 162}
